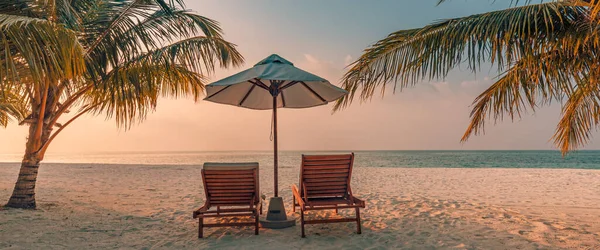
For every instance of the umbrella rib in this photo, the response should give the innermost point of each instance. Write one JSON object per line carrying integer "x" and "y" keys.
{"x": 313, "y": 92}
{"x": 282, "y": 98}
{"x": 247, "y": 94}
{"x": 288, "y": 85}
{"x": 210, "y": 96}
{"x": 256, "y": 84}
{"x": 259, "y": 83}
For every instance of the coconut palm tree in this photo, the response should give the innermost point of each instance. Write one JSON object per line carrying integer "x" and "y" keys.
{"x": 114, "y": 58}
{"x": 544, "y": 52}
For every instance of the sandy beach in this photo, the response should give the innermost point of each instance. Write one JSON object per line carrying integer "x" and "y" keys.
{"x": 97, "y": 206}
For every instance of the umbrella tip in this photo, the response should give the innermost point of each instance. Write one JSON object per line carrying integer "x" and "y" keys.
{"x": 274, "y": 58}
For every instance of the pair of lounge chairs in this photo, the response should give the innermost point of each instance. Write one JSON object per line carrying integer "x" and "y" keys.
{"x": 232, "y": 190}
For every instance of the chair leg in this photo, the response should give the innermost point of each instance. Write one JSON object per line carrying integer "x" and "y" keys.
{"x": 302, "y": 222}
{"x": 358, "y": 229}
{"x": 293, "y": 204}
{"x": 255, "y": 223}
{"x": 336, "y": 209}
{"x": 200, "y": 227}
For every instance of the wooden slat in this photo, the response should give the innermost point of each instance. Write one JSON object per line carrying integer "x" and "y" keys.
{"x": 326, "y": 171}
{"x": 226, "y": 215}
{"x": 210, "y": 188}
{"x": 327, "y": 157}
{"x": 336, "y": 187}
{"x": 246, "y": 195}
{"x": 327, "y": 163}
{"x": 229, "y": 176}
{"x": 218, "y": 183}
{"x": 227, "y": 210}
{"x": 329, "y": 195}
{"x": 231, "y": 191}
{"x": 230, "y": 224}
{"x": 320, "y": 176}
{"x": 324, "y": 201}
{"x": 240, "y": 202}
{"x": 315, "y": 196}
{"x": 230, "y": 203}
{"x": 229, "y": 198}
{"x": 325, "y": 184}
{"x": 246, "y": 181}
{"x": 324, "y": 179}
{"x": 228, "y": 172}
{"x": 329, "y": 221}
{"x": 332, "y": 191}
{"x": 319, "y": 167}
{"x": 318, "y": 207}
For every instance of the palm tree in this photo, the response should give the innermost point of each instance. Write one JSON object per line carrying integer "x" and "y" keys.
{"x": 101, "y": 57}
{"x": 545, "y": 52}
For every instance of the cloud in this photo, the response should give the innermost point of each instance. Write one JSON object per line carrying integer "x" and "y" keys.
{"x": 348, "y": 60}
{"x": 323, "y": 68}
{"x": 467, "y": 84}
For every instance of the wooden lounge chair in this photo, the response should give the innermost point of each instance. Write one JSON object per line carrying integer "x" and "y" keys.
{"x": 325, "y": 184}
{"x": 232, "y": 190}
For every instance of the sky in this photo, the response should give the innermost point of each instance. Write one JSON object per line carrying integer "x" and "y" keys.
{"x": 321, "y": 37}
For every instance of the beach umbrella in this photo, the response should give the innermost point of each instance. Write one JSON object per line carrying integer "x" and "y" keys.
{"x": 273, "y": 83}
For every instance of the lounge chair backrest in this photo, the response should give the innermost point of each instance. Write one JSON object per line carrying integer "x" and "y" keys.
{"x": 231, "y": 184}
{"x": 326, "y": 176}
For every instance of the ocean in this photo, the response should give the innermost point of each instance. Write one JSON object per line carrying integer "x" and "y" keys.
{"x": 392, "y": 159}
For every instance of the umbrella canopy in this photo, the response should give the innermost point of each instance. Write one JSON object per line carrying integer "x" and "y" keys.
{"x": 273, "y": 83}
{"x": 254, "y": 88}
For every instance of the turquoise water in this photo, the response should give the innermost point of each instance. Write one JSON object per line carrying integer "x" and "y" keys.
{"x": 410, "y": 159}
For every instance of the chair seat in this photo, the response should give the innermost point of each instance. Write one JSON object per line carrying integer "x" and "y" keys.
{"x": 231, "y": 209}
{"x": 323, "y": 201}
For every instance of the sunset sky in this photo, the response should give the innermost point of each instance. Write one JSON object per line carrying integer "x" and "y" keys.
{"x": 321, "y": 37}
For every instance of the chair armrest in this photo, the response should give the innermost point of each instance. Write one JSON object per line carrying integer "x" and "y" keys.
{"x": 200, "y": 210}
{"x": 297, "y": 196}
{"x": 358, "y": 201}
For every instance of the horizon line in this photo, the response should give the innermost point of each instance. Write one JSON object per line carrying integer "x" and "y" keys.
{"x": 300, "y": 150}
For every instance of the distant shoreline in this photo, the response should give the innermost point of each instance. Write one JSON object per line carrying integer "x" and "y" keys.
{"x": 312, "y": 150}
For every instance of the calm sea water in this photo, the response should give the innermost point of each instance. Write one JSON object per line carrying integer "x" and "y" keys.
{"x": 411, "y": 159}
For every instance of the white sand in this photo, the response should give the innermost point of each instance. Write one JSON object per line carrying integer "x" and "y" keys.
{"x": 86, "y": 206}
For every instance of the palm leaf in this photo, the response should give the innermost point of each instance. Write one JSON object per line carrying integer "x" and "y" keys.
{"x": 531, "y": 82}
{"x": 129, "y": 93}
{"x": 580, "y": 114}
{"x": 12, "y": 107}
{"x": 502, "y": 37}
{"x": 50, "y": 51}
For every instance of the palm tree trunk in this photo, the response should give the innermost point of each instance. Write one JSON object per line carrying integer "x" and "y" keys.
{"x": 23, "y": 195}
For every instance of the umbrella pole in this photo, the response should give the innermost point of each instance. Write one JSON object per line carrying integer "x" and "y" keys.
{"x": 275, "y": 142}
{"x": 276, "y": 215}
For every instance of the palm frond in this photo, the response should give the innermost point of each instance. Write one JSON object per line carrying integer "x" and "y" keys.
{"x": 501, "y": 37}
{"x": 198, "y": 54}
{"x": 580, "y": 114}
{"x": 12, "y": 107}
{"x": 118, "y": 16}
{"x": 149, "y": 31}
{"x": 129, "y": 93}
{"x": 533, "y": 81}
{"x": 50, "y": 51}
